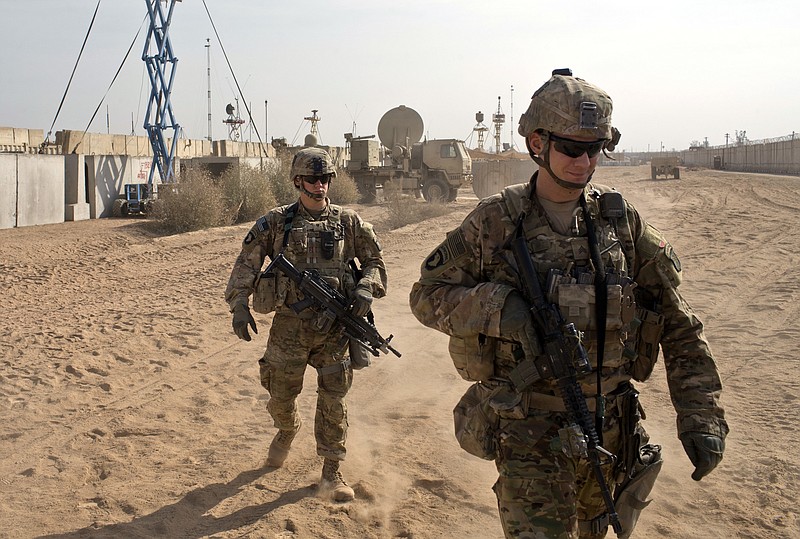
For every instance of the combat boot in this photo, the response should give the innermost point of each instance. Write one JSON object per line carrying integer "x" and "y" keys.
{"x": 279, "y": 448}
{"x": 333, "y": 482}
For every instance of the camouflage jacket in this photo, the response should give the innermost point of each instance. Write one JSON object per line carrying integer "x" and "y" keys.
{"x": 464, "y": 283}
{"x": 352, "y": 239}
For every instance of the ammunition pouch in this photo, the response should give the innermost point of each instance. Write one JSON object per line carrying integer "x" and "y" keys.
{"x": 630, "y": 497}
{"x": 647, "y": 343}
{"x": 360, "y": 357}
{"x": 473, "y": 356}
{"x": 265, "y": 293}
{"x": 475, "y": 421}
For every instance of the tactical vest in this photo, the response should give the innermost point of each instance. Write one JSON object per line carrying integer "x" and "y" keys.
{"x": 308, "y": 245}
{"x": 564, "y": 265}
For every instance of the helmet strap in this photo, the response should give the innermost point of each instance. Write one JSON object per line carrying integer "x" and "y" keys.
{"x": 315, "y": 196}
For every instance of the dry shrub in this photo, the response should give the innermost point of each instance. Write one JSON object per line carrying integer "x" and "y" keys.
{"x": 403, "y": 209}
{"x": 195, "y": 203}
{"x": 343, "y": 189}
{"x": 248, "y": 192}
{"x": 278, "y": 176}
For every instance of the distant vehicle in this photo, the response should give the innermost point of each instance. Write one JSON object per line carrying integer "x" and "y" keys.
{"x": 664, "y": 166}
{"x": 433, "y": 169}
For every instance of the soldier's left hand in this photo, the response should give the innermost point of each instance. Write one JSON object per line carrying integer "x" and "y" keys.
{"x": 704, "y": 450}
{"x": 362, "y": 301}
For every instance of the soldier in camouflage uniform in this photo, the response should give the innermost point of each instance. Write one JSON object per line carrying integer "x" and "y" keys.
{"x": 470, "y": 289}
{"x": 311, "y": 234}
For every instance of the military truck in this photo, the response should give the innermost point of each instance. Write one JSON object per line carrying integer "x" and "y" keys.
{"x": 433, "y": 169}
{"x": 664, "y": 166}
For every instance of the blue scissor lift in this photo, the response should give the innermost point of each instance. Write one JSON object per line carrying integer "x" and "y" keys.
{"x": 161, "y": 65}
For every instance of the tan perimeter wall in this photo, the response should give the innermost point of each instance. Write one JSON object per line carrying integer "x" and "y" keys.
{"x": 781, "y": 156}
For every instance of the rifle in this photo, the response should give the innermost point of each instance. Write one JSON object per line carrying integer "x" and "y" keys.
{"x": 564, "y": 358}
{"x": 334, "y": 306}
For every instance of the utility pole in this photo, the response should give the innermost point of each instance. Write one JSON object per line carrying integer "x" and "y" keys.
{"x": 266, "y": 121}
{"x": 208, "y": 56}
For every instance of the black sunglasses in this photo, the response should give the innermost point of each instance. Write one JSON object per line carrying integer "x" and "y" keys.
{"x": 574, "y": 148}
{"x": 311, "y": 180}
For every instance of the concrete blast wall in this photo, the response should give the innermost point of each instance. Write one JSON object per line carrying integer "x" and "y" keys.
{"x": 105, "y": 176}
{"x": 31, "y": 190}
{"x": 775, "y": 157}
{"x": 490, "y": 176}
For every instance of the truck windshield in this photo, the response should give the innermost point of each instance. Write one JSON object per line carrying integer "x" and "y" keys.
{"x": 448, "y": 150}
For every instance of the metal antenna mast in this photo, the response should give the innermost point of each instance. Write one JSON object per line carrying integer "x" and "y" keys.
{"x": 498, "y": 119}
{"x": 208, "y": 60}
{"x": 480, "y": 129}
{"x": 161, "y": 65}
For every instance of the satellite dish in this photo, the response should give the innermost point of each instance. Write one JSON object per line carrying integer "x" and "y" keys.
{"x": 399, "y": 124}
{"x": 229, "y": 109}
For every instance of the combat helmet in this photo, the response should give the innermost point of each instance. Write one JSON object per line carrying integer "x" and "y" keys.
{"x": 570, "y": 106}
{"x": 312, "y": 162}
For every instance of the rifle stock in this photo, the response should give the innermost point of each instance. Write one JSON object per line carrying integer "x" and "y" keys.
{"x": 565, "y": 358}
{"x": 334, "y": 306}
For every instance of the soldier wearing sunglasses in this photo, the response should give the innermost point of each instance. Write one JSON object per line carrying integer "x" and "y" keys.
{"x": 612, "y": 276}
{"x": 313, "y": 234}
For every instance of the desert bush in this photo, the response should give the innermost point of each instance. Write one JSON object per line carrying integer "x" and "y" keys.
{"x": 278, "y": 177}
{"x": 194, "y": 203}
{"x": 403, "y": 209}
{"x": 248, "y": 192}
{"x": 343, "y": 189}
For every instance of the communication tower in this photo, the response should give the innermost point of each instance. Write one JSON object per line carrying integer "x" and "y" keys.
{"x": 480, "y": 129}
{"x": 314, "y": 119}
{"x": 498, "y": 119}
{"x": 233, "y": 121}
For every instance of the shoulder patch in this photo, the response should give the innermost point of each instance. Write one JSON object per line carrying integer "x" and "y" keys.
{"x": 451, "y": 248}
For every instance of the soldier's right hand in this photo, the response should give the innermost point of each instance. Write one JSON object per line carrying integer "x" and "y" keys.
{"x": 516, "y": 324}
{"x": 241, "y": 319}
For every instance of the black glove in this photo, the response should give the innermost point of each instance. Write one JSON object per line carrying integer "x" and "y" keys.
{"x": 516, "y": 324}
{"x": 704, "y": 450}
{"x": 362, "y": 300}
{"x": 241, "y": 319}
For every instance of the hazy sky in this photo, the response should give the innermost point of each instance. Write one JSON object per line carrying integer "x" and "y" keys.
{"x": 678, "y": 71}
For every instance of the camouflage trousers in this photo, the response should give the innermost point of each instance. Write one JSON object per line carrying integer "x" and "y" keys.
{"x": 541, "y": 492}
{"x": 294, "y": 343}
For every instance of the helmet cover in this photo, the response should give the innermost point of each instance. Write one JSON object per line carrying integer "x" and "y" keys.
{"x": 312, "y": 162}
{"x": 569, "y": 106}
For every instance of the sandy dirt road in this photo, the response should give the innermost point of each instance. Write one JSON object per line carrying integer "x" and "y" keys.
{"x": 129, "y": 408}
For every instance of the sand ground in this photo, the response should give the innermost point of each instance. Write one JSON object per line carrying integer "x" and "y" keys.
{"x": 129, "y": 408}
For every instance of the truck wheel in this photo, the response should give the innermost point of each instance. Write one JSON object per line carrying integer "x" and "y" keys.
{"x": 453, "y": 194}
{"x": 119, "y": 208}
{"x": 436, "y": 190}
{"x": 652, "y": 173}
{"x": 676, "y": 173}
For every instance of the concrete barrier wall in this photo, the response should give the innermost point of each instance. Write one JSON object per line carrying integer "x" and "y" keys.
{"x": 8, "y": 190}
{"x": 106, "y": 176}
{"x": 490, "y": 176}
{"x": 40, "y": 189}
{"x": 139, "y": 146}
{"x": 780, "y": 156}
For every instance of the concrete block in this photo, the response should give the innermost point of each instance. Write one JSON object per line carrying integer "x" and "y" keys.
{"x": 76, "y": 212}
{"x": 40, "y": 189}
{"x": 8, "y": 190}
{"x": 6, "y": 136}
{"x": 21, "y": 136}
